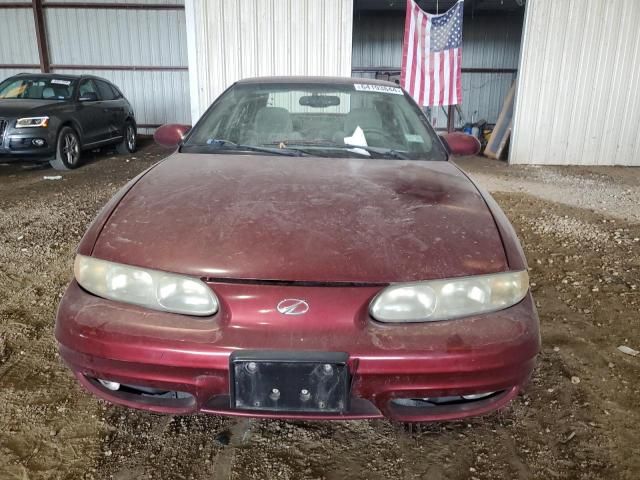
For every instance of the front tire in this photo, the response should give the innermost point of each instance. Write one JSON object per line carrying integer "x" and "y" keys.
{"x": 68, "y": 150}
{"x": 129, "y": 141}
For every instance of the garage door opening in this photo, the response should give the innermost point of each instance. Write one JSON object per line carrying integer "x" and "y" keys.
{"x": 492, "y": 31}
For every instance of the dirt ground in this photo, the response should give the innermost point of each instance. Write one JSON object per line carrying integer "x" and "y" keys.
{"x": 580, "y": 417}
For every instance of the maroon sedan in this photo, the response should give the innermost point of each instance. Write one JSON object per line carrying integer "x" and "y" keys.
{"x": 307, "y": 252}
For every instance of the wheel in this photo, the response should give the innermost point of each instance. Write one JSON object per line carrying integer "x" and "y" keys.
{"x": 130, "y": 140}
{"x": 67, "y": 150}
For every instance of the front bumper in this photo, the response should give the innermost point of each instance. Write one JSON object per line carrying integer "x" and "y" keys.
{"x": 25, "y": 143}
{"x": 101, "y": 339}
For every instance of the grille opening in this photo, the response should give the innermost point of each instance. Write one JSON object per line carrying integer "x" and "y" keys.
{"x": 153, "y": 392}
{"x": 453, "y": 400}
{"x": 142, "y": 394}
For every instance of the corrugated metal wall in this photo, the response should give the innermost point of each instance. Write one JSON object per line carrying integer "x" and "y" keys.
{"x": 128, "y": 37}
{"x": 578, "y": 98}
{"x": 9, "y": 72}
{"x": 148, "y": 2}
{"x": 122, "y": 38}
{"x": 157, "y": 97}
{"x": 18, "y": 39}
{"x": 489, "y": 41}
{"x": 234, "y": 39}
{"x": 116, "y": 37}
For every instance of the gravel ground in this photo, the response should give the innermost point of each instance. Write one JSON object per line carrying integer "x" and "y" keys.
{"x": 611, "y": 191}
{"x": 580, "y": 229}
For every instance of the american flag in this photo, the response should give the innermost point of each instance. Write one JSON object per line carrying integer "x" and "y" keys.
{"x": 432, "y": 55}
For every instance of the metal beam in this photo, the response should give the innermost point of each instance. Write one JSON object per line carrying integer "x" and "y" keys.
{"x": 451, "y": 112}
{"x": 126, "y": 68}
{"x": 9, "y": 5}
{"x": 464, "y": 70}
{"x": 113, "y": 6}
{"x": 41, "y": 36}
{"x": 489, "y": 70}
{"x": 17, "y": 66}
{"x": 94, "y": 6}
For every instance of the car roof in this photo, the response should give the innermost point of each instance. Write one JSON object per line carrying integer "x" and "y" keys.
{"x": 317, "y": 80}
{"x": 48, "y": 75}
{"x": 60, "y": 75}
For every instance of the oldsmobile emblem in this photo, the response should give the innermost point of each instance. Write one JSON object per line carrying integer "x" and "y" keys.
{"x": 293, "y": 306}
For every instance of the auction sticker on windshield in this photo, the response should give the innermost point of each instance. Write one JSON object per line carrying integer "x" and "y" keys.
{"x": 61, "y": 82}
{"x": 377, "y": 88}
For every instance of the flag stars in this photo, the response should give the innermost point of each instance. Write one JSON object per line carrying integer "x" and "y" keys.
{"x": 437, "y": 79}
{"x": 446, "y": 30}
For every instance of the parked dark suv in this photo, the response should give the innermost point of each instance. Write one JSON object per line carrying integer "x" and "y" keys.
{"x": 54, "y": 117}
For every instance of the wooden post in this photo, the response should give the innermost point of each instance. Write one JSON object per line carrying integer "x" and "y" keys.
{"x": 41, "y": 34}
{"x": 451, "y": 118}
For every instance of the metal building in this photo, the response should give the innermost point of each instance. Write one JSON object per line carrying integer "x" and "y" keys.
{"x": 141, "y": 47}
{"x": 574, "y": 61}
{"x": 489, "y": 61}
{"x": 341, "y": 37}
{"x": 229, "y": 41}
{"x": 578, "y": 97}
{"x": 145, "y": 47}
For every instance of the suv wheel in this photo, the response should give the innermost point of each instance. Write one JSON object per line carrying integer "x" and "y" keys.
{"x": 68, "y": 150}
{"x": 129, "y": 140}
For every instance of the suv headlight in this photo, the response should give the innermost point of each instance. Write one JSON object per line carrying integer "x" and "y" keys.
{"x": 153, "y": 289}
{"x": 447, "y": 299}
{"x": 32, "y": 122}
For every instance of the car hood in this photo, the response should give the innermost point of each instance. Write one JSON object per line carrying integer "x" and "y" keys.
{"x": 19, "y": 107}
{"x": 304, "y": 219}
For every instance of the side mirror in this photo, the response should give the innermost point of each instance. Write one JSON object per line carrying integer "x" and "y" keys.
{"x": 171, "y": 134}
{"x": 458, "y": 143}
{"x": 89, "y": 97}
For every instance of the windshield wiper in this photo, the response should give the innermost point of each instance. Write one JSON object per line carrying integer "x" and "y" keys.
{"x": 384, "y": 151}
{"x": 221, "y": 144}
{"x": 351, "y": 148}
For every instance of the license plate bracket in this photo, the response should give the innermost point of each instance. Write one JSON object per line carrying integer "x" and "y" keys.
{"x": 284, "y": 381}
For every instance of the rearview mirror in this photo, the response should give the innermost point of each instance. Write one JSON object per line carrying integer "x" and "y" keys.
{"x": 171, "y": 134}
{"x": 458, "y": 143}
{"x": 89, "y": 97}
{"x": 319, "y": 101}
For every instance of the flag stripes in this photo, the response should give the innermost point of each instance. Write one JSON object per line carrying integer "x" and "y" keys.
{"x": 432, "y": 55}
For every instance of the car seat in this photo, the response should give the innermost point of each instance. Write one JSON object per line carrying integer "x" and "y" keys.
{"x": 272, "y": 124}
{"x": 48, "y": 93}
{"x": 368, "y": 119}
{"x": 365, "y": 118}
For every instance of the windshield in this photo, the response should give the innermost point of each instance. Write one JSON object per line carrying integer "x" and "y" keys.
{"x": 37, "y": 88}
{"x": 350, "y": 120}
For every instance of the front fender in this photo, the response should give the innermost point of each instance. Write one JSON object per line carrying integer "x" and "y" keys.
{"x": 512, "y": 248}
{"x": 91, "y": 235}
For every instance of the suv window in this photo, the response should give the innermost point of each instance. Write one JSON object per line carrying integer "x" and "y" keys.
{"x": 87, "y": 86}
{"x": 106, "y": 92}
{"x": 37, "y": 88}
{"x": 116, "y": 93}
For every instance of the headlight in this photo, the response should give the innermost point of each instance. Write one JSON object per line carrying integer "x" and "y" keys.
{"x": 148, "y": 288}
{"x": 435, "y": 300}
{"x": 42, "y": 122}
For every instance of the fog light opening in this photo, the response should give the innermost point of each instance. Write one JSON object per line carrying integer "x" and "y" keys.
{"x": 113, "y": 386}
{"x": 444, "y": 401}
{"x": 142, "y": 391}
{"x": 477, "y": 396}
